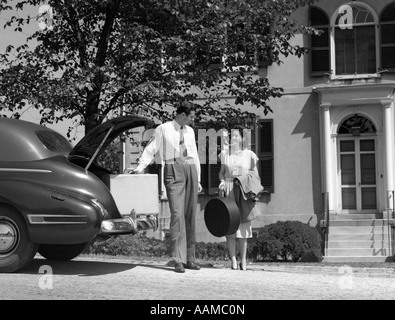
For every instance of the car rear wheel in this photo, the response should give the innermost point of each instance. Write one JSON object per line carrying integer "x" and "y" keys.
{"x": 61, "y": 252}
{"x": 16, "y": 249}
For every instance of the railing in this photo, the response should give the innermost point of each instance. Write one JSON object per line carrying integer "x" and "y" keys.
{"x": 390, "y": 215}
{"x": 325, "y": 222}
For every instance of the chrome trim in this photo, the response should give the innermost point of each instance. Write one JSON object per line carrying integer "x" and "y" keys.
{"x": 33, "y": 219}
{"x": 25, "y": 170}
{"x": 9, "y": 236}
{"x": 129, "y": 224}
{"x": 101, "y": 208}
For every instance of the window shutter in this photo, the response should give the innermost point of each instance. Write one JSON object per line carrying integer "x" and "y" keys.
{"x": 266, "y": 155}
{"x": 320, "y": 53}
{"x": 214, "y": 177}
{"x": 204, "y": 176}
{"x": 388, "y": 38}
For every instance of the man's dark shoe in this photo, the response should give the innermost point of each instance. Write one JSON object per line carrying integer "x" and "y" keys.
{"x": 179, "y": 268}
{"x": 192, "y": 265}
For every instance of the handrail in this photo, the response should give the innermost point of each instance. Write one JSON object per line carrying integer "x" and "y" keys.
{"x": 393, "y": 217}
{"x": 326, "y": 208}
{"x": 389, "y": 225}
{"x": 325, "y": 221}
{"x": 390, "y": 215}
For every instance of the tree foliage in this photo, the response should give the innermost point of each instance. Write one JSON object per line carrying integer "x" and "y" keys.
{"x": 98, "y": 57}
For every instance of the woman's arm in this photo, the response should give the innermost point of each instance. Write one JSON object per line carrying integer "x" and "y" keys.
{"x": 254, "y": 160}
{"x": 221, "y": 174}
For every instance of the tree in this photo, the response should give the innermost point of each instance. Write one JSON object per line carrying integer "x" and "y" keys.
{"x": 144, "y": 56}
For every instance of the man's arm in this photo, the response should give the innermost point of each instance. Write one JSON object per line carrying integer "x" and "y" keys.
{"x": 150, "y": 150}
{"x": 197, "y": 162}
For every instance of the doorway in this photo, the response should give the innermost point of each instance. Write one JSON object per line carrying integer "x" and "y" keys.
{"x": 357, "y": 150}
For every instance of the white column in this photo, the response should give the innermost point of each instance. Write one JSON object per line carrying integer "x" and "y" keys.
{"x": 389, "y": 149}
{"x": 328, "y": 153}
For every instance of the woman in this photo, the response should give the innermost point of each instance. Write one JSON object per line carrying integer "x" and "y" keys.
{"x": 237, "y": 162}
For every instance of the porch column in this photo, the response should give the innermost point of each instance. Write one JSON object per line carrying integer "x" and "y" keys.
{"x": 328, "y": 152}
{"x": 389, "y": 149}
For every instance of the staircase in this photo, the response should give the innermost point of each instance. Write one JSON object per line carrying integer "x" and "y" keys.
{"x": 359, "y": 238}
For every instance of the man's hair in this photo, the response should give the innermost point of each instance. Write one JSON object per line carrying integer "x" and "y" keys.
{"x": 186, "y": 107}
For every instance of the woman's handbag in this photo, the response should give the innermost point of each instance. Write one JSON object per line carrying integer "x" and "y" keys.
{"x": 221, "y": 216}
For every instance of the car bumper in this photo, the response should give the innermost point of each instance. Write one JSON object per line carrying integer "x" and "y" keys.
{"x": 129, "y": 224}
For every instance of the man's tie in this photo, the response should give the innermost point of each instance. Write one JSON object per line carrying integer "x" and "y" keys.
{"x": 183, "y": 149}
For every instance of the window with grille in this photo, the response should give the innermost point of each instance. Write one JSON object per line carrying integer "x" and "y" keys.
{"x": 210, "y": 171}
{"x": 355, "y": 42}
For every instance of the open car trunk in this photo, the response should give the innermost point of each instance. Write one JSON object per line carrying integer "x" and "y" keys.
{"x": 136, "y": 196}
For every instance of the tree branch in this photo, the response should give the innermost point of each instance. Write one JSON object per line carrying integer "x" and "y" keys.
{"x": 72, "y": 19}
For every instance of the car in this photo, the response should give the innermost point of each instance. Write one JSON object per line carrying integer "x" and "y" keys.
{"x": 53, "y": 196}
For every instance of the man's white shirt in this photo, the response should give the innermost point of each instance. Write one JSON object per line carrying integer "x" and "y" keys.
{"x": 166, "y": 141}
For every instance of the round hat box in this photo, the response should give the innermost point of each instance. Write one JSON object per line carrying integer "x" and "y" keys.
{"x": 221, "y": 216}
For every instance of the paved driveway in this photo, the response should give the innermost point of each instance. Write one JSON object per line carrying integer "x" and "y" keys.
{"x": 126, "y": 279}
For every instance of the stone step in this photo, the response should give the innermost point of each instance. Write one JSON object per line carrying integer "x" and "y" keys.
{"x": 356, "y": 252}
{"x": 357, "y": 229}
{"x": 355, "y": 216}
{"x": 357, "y": 236}
{"x": 358, "y": 223}
{"x": 357, "y": 244}
{"x": 334, "y": 259}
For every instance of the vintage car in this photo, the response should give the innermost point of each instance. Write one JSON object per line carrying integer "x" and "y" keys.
{"x": 52, "y": 196}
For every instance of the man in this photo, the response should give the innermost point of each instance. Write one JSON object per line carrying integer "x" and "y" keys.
{"x": 176, "y": 144}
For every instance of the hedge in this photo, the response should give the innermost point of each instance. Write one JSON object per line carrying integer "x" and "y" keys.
{"x": 289, "y": 240}
{"x": 280, "y": 241}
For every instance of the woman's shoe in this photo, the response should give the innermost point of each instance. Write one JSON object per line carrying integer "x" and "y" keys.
{"x": 241, "y": 267}
{"x": 234, "y": 268}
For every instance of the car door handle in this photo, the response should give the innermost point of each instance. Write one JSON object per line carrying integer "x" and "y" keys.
{"x": 57, "y": 197}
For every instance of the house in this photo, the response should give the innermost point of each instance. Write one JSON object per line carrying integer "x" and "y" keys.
{"x": 327, "y": 152}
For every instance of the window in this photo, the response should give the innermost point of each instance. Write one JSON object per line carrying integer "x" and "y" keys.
{"x": 356, "y": 125}
{"x": 266, "y": 154}
{"x": 348, "y": 45}
{"x": 355, "y": 28}
{"x": 387, "y": 24}
{"x": 262, "y": 144}
{"x": 53, "y": 141}
{"x": 240, "y": 49}
{"x": 209, "y": 170}
{"x": 239, "y": 53}
{"x": 319, "y": 43}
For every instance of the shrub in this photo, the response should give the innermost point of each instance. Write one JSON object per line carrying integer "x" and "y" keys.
{"x": 130, "y": 245}
{"x": 289, "y": 240}
{"x": 312, "y": 255}
{"x": 211, "y": 251}
{"x": 141, "y": 246}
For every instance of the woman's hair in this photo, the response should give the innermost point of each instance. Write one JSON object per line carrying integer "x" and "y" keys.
{"x": 245, "y": 138}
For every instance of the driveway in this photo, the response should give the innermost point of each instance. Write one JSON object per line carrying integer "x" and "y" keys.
{"x": 87, "y": 278}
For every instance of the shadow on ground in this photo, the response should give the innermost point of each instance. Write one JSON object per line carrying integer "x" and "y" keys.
{"x": 86, "y": 268}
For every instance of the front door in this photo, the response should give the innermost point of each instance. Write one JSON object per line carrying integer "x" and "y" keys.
{"x": 358, "y": 177}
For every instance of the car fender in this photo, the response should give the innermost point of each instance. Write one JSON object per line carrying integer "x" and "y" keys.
{"x": 53, "y": 216}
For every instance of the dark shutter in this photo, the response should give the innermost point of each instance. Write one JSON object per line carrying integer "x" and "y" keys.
{"x": 214, "y": 177}
{"x": 320, "y": 55}
{"x": 266, "y": 159}
{"x": 387, "y": 27}
{"x": 204, "y": 175}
